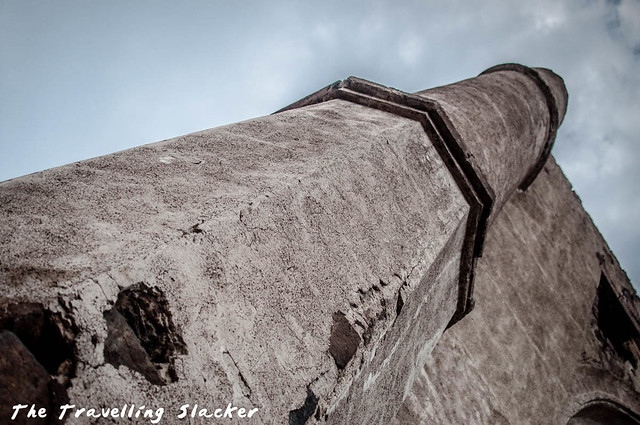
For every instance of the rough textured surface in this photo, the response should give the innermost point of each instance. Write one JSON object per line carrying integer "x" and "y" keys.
{"x": 307, "y": 263}
{"x": 122, "y": 347}
{"x": 344, "y": 340}
{"x": 141, "y": 334}
{"x": 530, "y": 351}
{"x": 305, "y": 412}
{"x": 256, "y": 233}
{"x": 478, "y": 195}
{"x": 503, "y": 118}
{"x": 23, "y": 378}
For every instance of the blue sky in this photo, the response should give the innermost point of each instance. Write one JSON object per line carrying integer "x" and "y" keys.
{"x": 83, "y": 78}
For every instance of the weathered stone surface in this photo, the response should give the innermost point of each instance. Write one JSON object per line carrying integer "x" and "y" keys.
{"x": 250, "y": 237}
{"x": 505, "y": 120}
{"x": 122, "y": 347}
{"x": 604, "y": 412}
{"x": 303, "y": 414}
{"x": 147, "y": 312}
{"x": 142, "y": 335}
{"x": 43, "y": 342}
{"x": 285, "y": 220}
{"x": 530, "y": 351}
{"x": 24, "y": 381}
{"x": 344, "y": 340}
{"x": 47, "y": 335}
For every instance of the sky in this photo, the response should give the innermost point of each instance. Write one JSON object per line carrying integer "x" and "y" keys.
{"x": 84, "y": 78}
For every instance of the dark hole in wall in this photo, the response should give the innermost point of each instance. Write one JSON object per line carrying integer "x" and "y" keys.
{"x": 301, "y": 416}
{"x": 604, "y": 413}
{"x": 399, "y": 304}
{"x": 37, "y": 358}
{"x": 47, "y": 335}
{"x": 344, "y": 340}
{"x": 141, "y": 334}
{"x": 615, "y": 328}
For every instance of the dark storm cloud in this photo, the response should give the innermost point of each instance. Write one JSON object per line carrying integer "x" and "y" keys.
{"x": 79, "y": 79}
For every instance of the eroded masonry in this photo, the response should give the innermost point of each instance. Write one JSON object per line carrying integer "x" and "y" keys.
{"x": 364, "y": 255}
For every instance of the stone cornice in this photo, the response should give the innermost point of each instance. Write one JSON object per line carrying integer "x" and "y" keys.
{"x": 451, "y": 149}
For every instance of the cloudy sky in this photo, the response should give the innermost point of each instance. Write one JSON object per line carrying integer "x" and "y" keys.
{"x": 82, "y": 78}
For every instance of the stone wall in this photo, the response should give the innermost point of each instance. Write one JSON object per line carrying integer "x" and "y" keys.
{"x": 532, "y": 351}
{"x": 301, "y": 267}
{"x": 255, "y": 264}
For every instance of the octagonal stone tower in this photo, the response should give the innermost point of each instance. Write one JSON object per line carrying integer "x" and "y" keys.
{"x": 299, "y": 267}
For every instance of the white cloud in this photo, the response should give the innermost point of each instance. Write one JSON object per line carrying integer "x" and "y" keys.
{"x": 410, "y": 49}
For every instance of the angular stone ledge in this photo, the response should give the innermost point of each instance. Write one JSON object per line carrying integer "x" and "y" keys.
{"x": 451, "y": 149}
{"x": 468, "y": 173}
{"x": 284, "y": 221}
{"x": 311, "y": 259}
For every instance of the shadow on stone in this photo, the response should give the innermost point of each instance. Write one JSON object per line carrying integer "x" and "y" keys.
{"x": 301, "y": 415}
{"x": 344, "y": 340}
{"x": 141, "y": 334}
{"x": 37, "y": 360}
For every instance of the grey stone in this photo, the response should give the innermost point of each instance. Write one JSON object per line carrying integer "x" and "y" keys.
{"x": 24, "y": 381}
{"x": 344, "y": 340}
{"x": 385, "y": 206}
